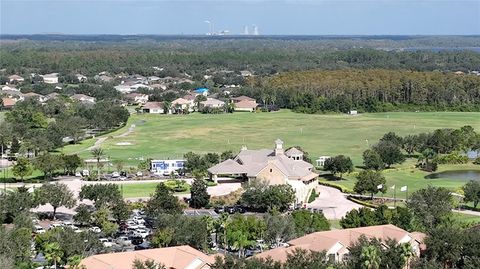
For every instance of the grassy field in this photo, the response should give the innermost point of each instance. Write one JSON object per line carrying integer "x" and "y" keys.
{"x": 407, "y": 175}
{"x": 171, "y": 136}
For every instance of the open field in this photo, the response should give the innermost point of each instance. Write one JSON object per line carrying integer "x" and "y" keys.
{"x": 407, "y": 175}
{"x": 171, "y": 136}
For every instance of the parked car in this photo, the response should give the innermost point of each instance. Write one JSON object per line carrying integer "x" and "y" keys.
{"x": 39, "y": 229}
{"x": 136, "y": 240}
{"x": 230, "y": 209}
{"x": 115, "y": 174}
{"x": 240, "y": 209}
{"x": 95, "y": 229}
{"x": 123, "y": 240}
{"x": 141, "y": 233}
{"x": 55, "y": 225}
{"x": 219, "y": 209}
{"x": 106, "y": 243}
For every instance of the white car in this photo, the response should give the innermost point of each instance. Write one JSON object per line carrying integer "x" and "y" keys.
{"x": 95, "y": 229}
{"x": 55, "y": 225}
{"x": 141, "y": 233}
{"x": 106, "y": 243}
{"x": 123, "y": 240}
{"x": 39, "y": 229}
{"x": 115, "y": 174}
{"x": 67, "y": 223}
{"x": 138, "y": 220}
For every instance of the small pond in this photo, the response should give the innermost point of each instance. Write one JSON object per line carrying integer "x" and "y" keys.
{"x": 456, "y": 174}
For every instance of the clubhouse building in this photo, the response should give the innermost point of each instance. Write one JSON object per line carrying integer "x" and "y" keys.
{"x": 275, "y": 167}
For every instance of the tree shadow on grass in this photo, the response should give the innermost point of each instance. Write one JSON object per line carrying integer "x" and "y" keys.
{"x": 331, "y": 177}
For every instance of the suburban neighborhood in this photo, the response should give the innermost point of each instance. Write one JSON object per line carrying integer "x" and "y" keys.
{"x": 239, "y": 150}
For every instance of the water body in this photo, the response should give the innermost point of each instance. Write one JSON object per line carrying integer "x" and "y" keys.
{"x": 457, "y": 174}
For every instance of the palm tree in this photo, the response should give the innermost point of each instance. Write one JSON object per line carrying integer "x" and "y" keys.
{"x": 167, "y": 106}
{"x": 406, "y": 251}
{"x": 53, "y": 253}
{"x": 148, "y": 264}
{"x": 98, "y": 153}
{"x": 240, "y": 241}
{"x": 74, "y": 262}
{"x": 370, "y": 258}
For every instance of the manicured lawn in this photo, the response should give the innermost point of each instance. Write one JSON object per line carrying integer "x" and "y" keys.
{"x": 135, "y": 190}
{"x": 171, "y": 136}
{"x": 407, "y": 175}
{"x": 466, "y": 218}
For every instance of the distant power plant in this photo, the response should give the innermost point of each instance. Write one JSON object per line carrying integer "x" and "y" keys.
{"x": 211, "y": 29}
{"x": 254, "y": 30}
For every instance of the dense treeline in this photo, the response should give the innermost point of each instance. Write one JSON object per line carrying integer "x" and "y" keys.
{"x": 32, "y": 127}
{"x": 263, "y": 57}
{"x": 371, "y": 90}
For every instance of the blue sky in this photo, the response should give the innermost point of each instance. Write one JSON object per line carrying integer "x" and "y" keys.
{"x": 273, "y": 17}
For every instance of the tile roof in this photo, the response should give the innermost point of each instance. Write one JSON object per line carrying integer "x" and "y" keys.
{"x": 325, "y": 241}
{"x": 242, "y": 98}
{"x": 252, "y": 162}
{"x": 153, "y": 105}
{"x": 246, "y": 104}
{"x": 180, "y": 257}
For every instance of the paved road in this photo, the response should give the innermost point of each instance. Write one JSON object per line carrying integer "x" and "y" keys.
{"x": 333, "y": 203}
{"x": 75, "y": 185}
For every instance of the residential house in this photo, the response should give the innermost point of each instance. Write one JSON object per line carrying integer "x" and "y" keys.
{"x": 152, "y": 79}
{"x": 137, "y": 98}
{"x": 131, "y": 86}
{"x": 180, "y": 105}
{"x": 244, "y": 103}
{"x": 153, "y": 108}
{"x": 7, "y": 103}
{"x": 82, "y": 98}
{"x": 272, "y": 166}
{"x": 179, "y": 257}
{"x": 9, "y": 88}
{"x": 38, "y": 97}
{"x": 103, "y": 77}
{"x": 336, "y": 243}
{"x": 12, "y": 93}
{"x": 201, "y": 91}
{"x": 161, "y": 86}
{"x": 81, "y": 78}
{"x": 212, "y": 103}
{"x": 53, "y": 95}
{"x": 166, "y": 167}
{"x": 15, "y": 79}
{"x": 50, "y": 78}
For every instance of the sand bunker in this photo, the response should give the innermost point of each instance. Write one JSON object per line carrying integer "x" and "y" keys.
{"x": 123, "y": 144}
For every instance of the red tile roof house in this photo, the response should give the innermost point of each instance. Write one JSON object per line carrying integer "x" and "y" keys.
{"x": 181, "y": 257}
{"x": 8, "y": 103}
{"x": 244, "y": 103}
{"x": 153, "y": 108}
{"x": 336, "y": 243}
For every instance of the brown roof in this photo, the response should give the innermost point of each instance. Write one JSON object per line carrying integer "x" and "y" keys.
{"x": 153, "y": 105}
{"x": 324, "y": 241}
{"x": 173, "y": 258}
{"x": 242, "y": 98}
{"x": 31, "y": 94}
{"x": 246, "y": 104}
{"x": 8, "y": 102}
{"x": 189, "y": 97}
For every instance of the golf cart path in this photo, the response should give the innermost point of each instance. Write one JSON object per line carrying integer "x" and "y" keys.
{"x": 102, "y": 139}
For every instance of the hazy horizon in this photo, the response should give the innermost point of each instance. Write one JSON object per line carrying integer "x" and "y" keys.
{"x": 272, "y": 17}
